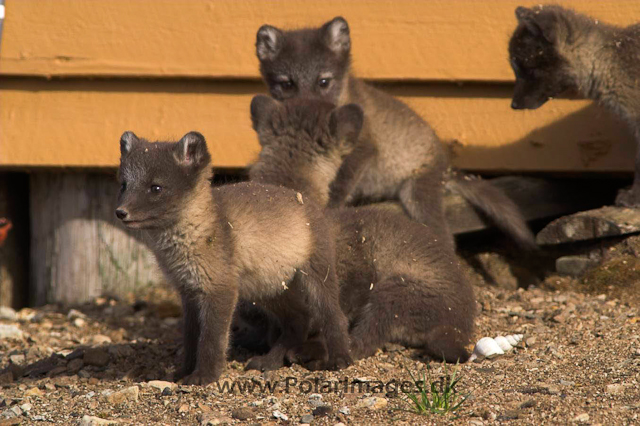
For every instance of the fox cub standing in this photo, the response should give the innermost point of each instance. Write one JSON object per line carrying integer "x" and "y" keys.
{"x": 398, "y": 155}
{"x": 555, "y": 49}
{"x": 398, "y": 281}
{"x": 250, "y": 241}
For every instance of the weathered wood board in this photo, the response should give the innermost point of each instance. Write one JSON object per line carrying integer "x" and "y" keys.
{"x": 608, "y": 221}
{"x": 78, "y": 123}
{"x": 442, "y": 40}
{"x": 77, "y": 249}
{"x": 536, "y": 197}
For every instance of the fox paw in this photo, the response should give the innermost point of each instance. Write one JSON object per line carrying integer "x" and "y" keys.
{"x": 201, "y": 379}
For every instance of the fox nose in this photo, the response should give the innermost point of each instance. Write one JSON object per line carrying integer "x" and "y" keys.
{"x": 121, "y": 214}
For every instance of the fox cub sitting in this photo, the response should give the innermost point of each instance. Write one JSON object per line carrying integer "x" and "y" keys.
{"x": 247, "y": 241}
{"x": 399, "y": 282}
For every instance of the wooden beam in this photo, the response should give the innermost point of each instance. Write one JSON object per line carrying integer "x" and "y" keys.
{"x": 608, "y": 221}
{"x": 77, "y": 123}
{"x": 537, "y": 199}
{"x": 462, "y": 40}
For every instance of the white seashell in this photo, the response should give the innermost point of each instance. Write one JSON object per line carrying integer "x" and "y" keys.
{"x": 488, "y": 347}
{"x": 514, "y": 339}
{"x": 503, "y": 343}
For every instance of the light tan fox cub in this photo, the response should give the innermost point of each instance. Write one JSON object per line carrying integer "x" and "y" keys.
{"x": 246, "y": 241}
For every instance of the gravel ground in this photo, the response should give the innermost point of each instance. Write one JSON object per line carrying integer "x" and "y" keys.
{"x": 112, "y": 361}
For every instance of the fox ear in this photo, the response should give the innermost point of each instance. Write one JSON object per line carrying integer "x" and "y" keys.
{"x": 192, "y": 150}
{"x": 336, "y": 35}
{"x": 268, "y": 42}
{"x": 126, "y": 143}
{"x": 523, "y": 13}
{"x": 345, "y": 123}
{"x": 539, "y": 24}
{"x": 261, "y": 106}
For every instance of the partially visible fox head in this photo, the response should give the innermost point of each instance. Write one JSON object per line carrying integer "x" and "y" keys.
{"x": 158, "y": 178}
{"x": 311, "y": 62}
{"x": 535, "y": 56}
{"x": 304, "y": 142}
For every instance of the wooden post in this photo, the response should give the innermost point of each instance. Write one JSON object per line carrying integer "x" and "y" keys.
{"x": 14, "y": 250}
{"x": 78, "y": 251}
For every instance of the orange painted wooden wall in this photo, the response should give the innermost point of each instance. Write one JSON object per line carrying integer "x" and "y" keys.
{"x": 74, "y": 74}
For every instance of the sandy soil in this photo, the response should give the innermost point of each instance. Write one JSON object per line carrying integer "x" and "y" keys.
{"x": 580, "y": 364}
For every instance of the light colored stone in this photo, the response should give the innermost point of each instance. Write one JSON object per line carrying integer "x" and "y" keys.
{"x": 280, "y": 416}
{"x": 161, "y": 385}
{"x": 306, "y": 419}
{"x": 17, "y": 358}
{"x": 581, "y": 418}
{"x": 74, "y": 313}
{"x": 374, "y": 403}
{"x": 615, "y": 389}
{"x": 100, "y": 339}
{"x": 125, "y": 395}
{"x": 34, "y": 392}
{"x": 315, "y": 400}
{"x": 95, "y": 421}
{"x": 7, "y": 313}
{"x": 9, "y": 332}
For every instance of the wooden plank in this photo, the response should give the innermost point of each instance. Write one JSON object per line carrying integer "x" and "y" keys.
{"x": 78, "y": 251}
{"x": 608, "y": 221}
{"x": 537, "y": 199}
{"x": 462, "y": 40}
{"x": 77, "y": 123}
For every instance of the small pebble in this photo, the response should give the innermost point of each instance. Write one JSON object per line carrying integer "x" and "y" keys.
{"x": 9, "y": 332}
{"x": 243, "y": 413}
{"x": 95, "y": 421}
{"x": 17, "y": 359}
{"x": 124, "y": 395}
{"x": 161, "y": 385}
{"x": 374, "y": 403}
{"x": 281, "y": 416}
{"x": 322, "y": 410}
{"x": 307, "y": 419}
{"x": 7, "y": 313}
{"x": 581, "y": 418}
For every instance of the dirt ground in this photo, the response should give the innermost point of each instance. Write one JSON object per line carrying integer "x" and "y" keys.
{"x": 112, "y": 361}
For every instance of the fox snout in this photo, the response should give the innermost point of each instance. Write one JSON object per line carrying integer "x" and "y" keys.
{"x": 121, "y": 213}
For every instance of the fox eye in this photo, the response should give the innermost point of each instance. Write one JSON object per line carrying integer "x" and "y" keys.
{"x": 324, "y": 82}
{"x": 123, "y": 186}
{"x": 287, "y": 84}
{"x": 156, "y": 189}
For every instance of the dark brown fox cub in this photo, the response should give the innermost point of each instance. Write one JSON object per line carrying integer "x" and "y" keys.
{"x": 398, "y": 155}
{"x": 398, "y": 281}
{"x": 555, "y": 49}
{"x": 250, "y": 241}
